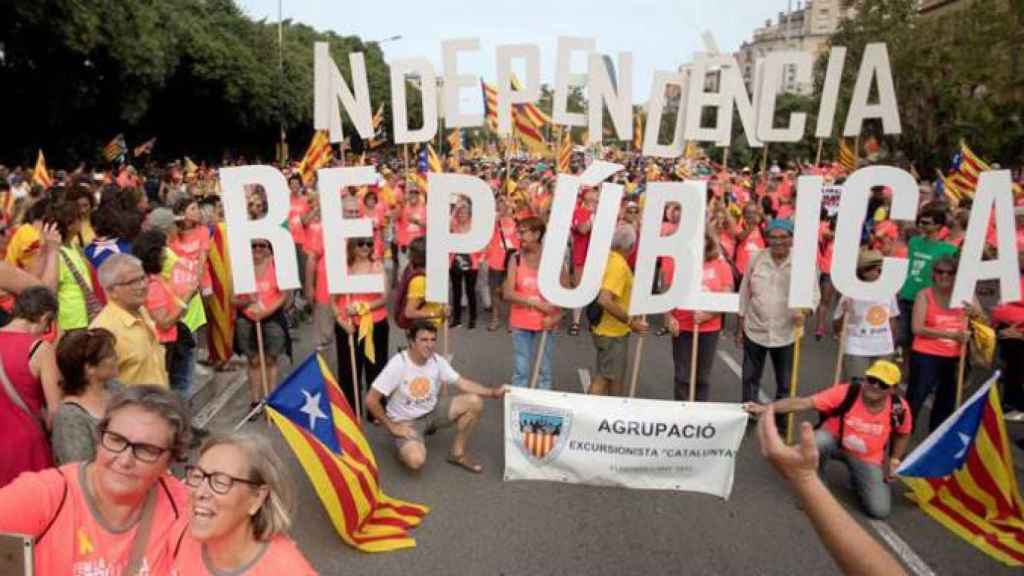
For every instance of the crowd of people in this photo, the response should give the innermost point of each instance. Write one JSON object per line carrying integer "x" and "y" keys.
{"x": 114, "y": 304}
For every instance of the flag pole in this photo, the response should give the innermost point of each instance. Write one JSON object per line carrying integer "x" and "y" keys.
{"x": 405, "y": 164}
{"x": 793, "y": 377}
{"x": 725, "y": 158}
{"x": 693, "y": 361}
{"x": 356, "y": 392}
{"x": 839, "y": 353}
{"x": 636, "y": 364}
{"x": 263, "y": 363}
{"x": 961, "y": 366}
{"x": 535, "y": 373}
{"x": 764, "y": 165}
{"x": 817, "y": 156}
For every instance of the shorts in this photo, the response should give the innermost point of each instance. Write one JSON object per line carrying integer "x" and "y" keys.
{"x": 495, "y": 278}
{"x": 611, "y": 356}
{"x": 436, "y": 419}
{"x": 245, "y": 337}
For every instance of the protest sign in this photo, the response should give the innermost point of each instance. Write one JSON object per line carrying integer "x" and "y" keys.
{"x": 830, "y": 199}
{"x": 605, "y": 441}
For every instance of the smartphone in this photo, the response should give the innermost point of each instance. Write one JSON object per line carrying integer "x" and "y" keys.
{"x": 15, "y": 555}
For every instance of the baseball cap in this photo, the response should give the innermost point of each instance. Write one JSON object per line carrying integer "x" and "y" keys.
{"x": 780, "y": 224}
{"x": 885, "y": 372}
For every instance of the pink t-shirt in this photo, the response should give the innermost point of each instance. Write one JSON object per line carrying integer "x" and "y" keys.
{"x": 77, "y": 542}
{"x": 523, "y": 317}
{"x": 864, "y": 434}
{"x": 190, "y": 245}
{"x": 746, "y": 250}
{"x": 160, "y": 296}
{"x": 267, "y": 292}
{"x": 504, "y": 236}
{"x": 341, "y": 301}
{"x": 280, "y": 557}
{"x": 299, "y": 208}
{"x": 315, "y": 247}
{"x": 580, "y": 241}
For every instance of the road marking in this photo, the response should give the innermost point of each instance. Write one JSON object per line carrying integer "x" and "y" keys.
{"x": 897, "y": 544}
{"x": 213, "y": 407}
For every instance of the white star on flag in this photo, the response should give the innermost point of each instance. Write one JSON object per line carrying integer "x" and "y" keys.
{"x": 967, "y": 442}
{"x": 312, "y": 408}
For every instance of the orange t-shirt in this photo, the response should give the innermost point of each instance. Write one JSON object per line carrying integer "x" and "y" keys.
{"x": 281, "y": 556}
{"x": 864, "y": 434}
{"x": 504, "y": 229}
{"x": 939, "y": 318}
{"x": 717, "y": 277}
{"x": 341, "y": 301}
{"x": 77, "y": 542}
{"x": 746, "y": 250}
{"x": 267, "y": 292}
{"x": 523, "y": 317}
{"x": 160, "y": 296}
{"x": 190, "y": 244}
{"x": 298, "y": 207}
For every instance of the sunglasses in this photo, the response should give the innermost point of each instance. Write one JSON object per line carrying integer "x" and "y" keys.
{"x": 877, "y": 383}
{"x": 261, "y": 245}
{"x": 363, "y": 243}
{"x": 944, "y": 272}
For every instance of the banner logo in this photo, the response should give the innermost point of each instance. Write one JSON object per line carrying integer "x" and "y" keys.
{"x": 541, "y": 431}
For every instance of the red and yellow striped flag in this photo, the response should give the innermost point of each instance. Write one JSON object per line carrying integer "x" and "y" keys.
{"x": 317, "y": 156}
{"x": 316, "y": 421}
{"x": 537, "y": 117}
{"x": 433, "y": 160}
{"x": 565, "y": 152}
{"x": 40, "y": 175}
{"x": 490, "y": 105}
{"x": 221, "y": 313}
{"x": 847, "y": 159}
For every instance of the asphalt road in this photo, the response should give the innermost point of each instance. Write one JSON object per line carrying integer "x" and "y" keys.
{"x": 480, "y": 524}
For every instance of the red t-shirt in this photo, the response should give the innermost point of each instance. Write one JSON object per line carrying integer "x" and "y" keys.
{"x": 580, "y": 241}
{"x": 315, "y": 247}
{"x": 77, "y": 542}
{"x": 864, "y": 434}
{"x": 717, "y": 278}
{"x": 299, "y": 208}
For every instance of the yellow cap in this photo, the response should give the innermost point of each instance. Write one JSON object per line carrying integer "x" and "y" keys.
{"x": 885, "y": 371}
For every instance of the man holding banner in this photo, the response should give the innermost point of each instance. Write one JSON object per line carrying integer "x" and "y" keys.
{"x": 415, "y": 382}
{"x": 859, "y": 421}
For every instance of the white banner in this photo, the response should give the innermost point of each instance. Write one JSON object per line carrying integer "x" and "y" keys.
{"x": 608, "y": 441}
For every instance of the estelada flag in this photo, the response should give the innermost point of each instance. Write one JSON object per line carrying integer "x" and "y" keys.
{"x": 40, "y": 175}
{"x": 317, "y": 155}
{"x": 115, "y": 149}
{"x": 962, "y": 475}
{"x": 316, "y": 421}
{"x": 847, "y": 158}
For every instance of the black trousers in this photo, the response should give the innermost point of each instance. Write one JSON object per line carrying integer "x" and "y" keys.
{"x": 753, "y": 367}
{"x": 707, "y": 344}
{"x": 463, "y": 279}
{"x": 366, "y": 371}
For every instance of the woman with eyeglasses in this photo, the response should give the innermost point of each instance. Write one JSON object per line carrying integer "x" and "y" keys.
{"x": 240, "y": 509}
{"x": 88, "y": 364}
{"x": 266, "y": 308}
{"x": 350, "y": 312}
{"x": 114, "y": 513}
{"x": 29, "y": 390}
{"x": 940, "y": 330}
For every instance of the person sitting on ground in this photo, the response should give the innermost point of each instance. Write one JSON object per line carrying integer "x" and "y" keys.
{"x": 140, "y": 356}
{"x": 241, "y": 507}
{"x": 88, "y": 365}
{"x": 415, "y": 383}
{"x": 85, "y": 517}
{"x": 858, "y": 421}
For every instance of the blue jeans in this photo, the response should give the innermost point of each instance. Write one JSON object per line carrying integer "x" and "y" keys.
{"x": 524, "y": 342}
{"x": 183, "y": 371}
{"x": 868, "y": 479}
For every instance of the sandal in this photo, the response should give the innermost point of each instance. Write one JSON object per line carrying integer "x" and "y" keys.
{"x": 464, "y": 462}
{"x": 493, "y": 325}
{"x": 574, "y": 329}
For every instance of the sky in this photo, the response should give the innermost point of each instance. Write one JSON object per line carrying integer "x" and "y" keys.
{"x": 661, "y": 34}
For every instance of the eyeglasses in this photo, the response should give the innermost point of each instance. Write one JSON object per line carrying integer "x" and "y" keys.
{"x": 141, "y": 451}
{"x": 137, "y": 281}
{"x": 944, "y": 272}
{"x": 261, "y": 245}
{"x": 219, "y": 482}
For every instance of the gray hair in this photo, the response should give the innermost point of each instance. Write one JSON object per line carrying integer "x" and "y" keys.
{"x": 111, "y": 267}
{"x": 265, "y": 467}
{"x": 623, "y": 238}
{"x": 159, "y": 401}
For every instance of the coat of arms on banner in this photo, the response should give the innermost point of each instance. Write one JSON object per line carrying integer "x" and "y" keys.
{"x": 540, "y": 431}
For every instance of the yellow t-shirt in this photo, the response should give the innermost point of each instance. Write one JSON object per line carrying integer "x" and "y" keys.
{"x": 618, "y": 279}
{"x": 418, "y": 290}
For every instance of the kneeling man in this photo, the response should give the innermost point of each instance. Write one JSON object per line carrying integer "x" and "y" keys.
{"x": 415, "y": 384}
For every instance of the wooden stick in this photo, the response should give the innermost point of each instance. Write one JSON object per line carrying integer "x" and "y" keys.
{"x": 263, "y": 363}
{"x": 356, "y": 392}
{"x": 444, "y": 337}
{"x": 839, "y": 353}
{"x": 961, "y": 367}
{"x": 636, "y": 365}
{"x": 817, "y": 157}
{"x": 764, "y": 165}
{"x": 793, "y": 377}
{"x": 693, "y": 363}
{"x": 535, "y": 373}
{"x": 725, "y": 158}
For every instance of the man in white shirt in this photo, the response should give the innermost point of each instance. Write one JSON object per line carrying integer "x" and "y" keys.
{"x": 415, "y": 382}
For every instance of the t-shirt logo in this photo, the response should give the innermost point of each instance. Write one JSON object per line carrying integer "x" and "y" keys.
{"x": 85, "y": 546}
{"x": 419, "y": 388}
{"x": 876, "y": 315}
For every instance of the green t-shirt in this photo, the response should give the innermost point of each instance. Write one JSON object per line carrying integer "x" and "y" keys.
{"x": 71, "y": 312}
{"x": 922, "y": 253}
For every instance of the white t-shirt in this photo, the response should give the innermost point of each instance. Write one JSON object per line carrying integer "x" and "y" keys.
{"x": 411, "y": 389}
{"x": 868, "y": 332}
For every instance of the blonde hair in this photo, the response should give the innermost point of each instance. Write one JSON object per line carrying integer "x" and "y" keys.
{"x": 265, "y": 467}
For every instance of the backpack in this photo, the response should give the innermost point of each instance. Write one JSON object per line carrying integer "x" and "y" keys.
{"x": 398, "y": 311}
{"x": 897, "y": 412}
{"x": 594, "y": 311}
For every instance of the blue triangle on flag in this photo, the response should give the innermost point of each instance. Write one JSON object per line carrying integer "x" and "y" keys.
{"x": 303, "y": 399}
